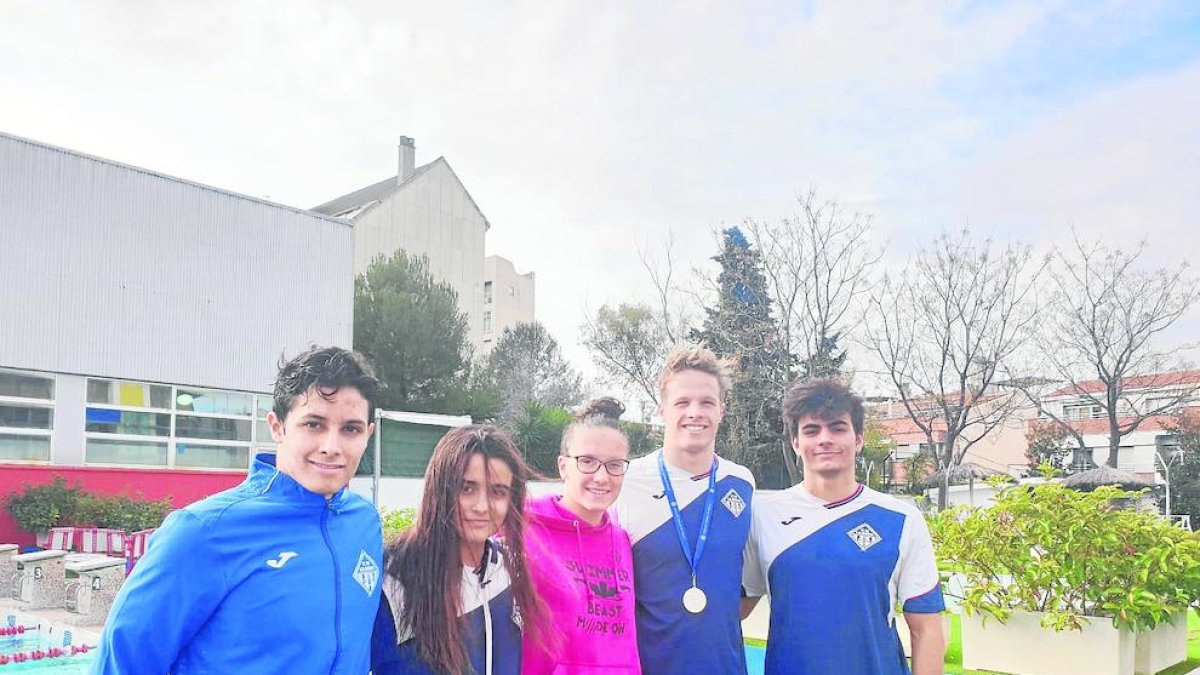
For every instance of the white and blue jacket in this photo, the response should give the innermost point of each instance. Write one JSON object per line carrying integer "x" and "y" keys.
{"x": 490, "y": 617}
{"x": 266, "y": 577}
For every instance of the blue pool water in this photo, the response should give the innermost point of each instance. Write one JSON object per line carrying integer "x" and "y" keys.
{"x": 41, "y": 637}
{"x": 755, "y": 660}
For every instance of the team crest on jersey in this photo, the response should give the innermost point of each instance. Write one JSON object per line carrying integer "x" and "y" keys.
{"x": 864, "y": 536}
{"x": 733, "y": 501}
{"x": 366, "y": 572}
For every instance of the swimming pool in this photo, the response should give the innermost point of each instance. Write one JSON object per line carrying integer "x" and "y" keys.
{"x": 756, "y": 658}
{"x": 30, "y": 645}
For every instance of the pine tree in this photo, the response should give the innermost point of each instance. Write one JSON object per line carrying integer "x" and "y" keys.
{"x": 741, "y": 327}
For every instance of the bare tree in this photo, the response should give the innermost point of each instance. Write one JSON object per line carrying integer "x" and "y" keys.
{"x": 818, "y": 264}
{"x": 630, "y": 342}
{"x": 1101, "y": 337}
{"x": 945, "y": 328}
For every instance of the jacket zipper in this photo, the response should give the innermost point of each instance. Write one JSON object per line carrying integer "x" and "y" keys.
{"x": 337, "y": 590}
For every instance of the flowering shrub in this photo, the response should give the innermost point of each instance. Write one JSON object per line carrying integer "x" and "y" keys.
{"x": 1070, "y": 554}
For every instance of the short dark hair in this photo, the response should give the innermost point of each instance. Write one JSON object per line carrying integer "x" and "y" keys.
{"x": 823, "y": 399}
{"x": 327, "y": 370}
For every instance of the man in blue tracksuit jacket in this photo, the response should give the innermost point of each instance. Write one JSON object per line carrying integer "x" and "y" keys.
{"x": 279, "y": 574}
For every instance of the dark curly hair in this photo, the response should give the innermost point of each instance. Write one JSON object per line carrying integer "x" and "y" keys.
{"x": 823, "y": 399}
{"x": 327, "y": 370}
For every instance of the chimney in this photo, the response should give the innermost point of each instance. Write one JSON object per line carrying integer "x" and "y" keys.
{"x": 408, "y": 159}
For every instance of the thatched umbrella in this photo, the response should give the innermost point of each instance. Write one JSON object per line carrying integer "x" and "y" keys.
{"x": 963, "y": 473}
{"x": 1105, "y": 475}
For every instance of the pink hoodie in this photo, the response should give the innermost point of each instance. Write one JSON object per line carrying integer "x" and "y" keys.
{"x": 585, "y": 575}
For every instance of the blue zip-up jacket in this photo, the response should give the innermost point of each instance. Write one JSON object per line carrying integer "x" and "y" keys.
{"x": 266, "y": 577}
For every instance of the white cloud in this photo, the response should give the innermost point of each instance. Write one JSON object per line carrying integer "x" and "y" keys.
{"x": 585, "y": 130}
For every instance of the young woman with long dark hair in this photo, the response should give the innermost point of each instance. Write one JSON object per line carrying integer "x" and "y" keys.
{"x": 456, "y": 601}
{"x": 581, "y": 560}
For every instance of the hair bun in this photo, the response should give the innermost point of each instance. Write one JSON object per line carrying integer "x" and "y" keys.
{"x": 605, "y": 406}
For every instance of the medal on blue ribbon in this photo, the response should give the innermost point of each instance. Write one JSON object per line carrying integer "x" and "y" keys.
{"x": 694, "y": 598}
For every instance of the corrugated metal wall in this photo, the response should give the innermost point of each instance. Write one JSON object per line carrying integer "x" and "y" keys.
{"x": 114, "y": 271}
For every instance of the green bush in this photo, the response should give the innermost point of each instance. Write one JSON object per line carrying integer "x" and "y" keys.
{"x": 41, "y": 507}
{"x": 121, "y": 512}
{"x": 1071, "y": 555}
{"x": 538, "y": 435}
{"x": 395, "y": 522}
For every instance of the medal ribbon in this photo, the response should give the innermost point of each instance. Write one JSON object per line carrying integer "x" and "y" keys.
{"x": 693, "y": 557}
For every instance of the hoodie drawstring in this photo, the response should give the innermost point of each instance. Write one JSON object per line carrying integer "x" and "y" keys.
{"x": 587, "y": 583}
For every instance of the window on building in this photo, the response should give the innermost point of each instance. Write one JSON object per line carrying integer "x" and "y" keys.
{"x": 142, "y": 424}
{"x": 932, "y": 450}
{"x": 262, "y": 431}
{"x": 125, "y": 452}
{"x": 487, "y": 322}
{"x": 1163, "y": 403}
{"x": 17, "y": 385}
{"x": 487, "y": 292}
{"x": 26, "y": 417}
{"x": 1082, "y": 411}
{"x": 129, "y": 394}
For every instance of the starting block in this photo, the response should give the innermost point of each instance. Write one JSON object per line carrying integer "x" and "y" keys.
{"x": 92, "y": 594}
{"x": 41, "y": 579}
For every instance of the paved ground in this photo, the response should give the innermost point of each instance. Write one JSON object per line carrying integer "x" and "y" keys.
{"x": 61, "y": 617}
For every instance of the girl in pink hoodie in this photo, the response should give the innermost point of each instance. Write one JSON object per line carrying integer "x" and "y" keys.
{"x": 581, "y": 561}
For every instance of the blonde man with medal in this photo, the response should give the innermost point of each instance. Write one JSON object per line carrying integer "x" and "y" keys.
{"x": 687, "y": 512}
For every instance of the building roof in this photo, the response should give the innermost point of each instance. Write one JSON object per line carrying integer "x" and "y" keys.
{"x": 904, "y": 431}
{"x": 1154, "y": 381}
{"x": 369, "y": 195}
{"x": 927, "y": 407}
{"x": 354, "y": 204}
{"x": 176, "y": 179}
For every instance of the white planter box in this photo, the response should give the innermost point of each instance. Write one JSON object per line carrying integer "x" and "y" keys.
{"x": 1162, "y": 647}
{"x": 1023, "y": 646}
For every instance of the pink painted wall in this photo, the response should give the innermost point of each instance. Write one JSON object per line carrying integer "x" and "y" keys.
{"x": 182, "y": 487}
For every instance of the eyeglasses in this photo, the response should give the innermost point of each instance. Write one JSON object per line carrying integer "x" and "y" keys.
{"x": 589, "y": 464}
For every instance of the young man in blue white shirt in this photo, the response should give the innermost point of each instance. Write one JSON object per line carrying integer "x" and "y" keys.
{"x": 687, "y": 512}
{"x": 838, "y": 558}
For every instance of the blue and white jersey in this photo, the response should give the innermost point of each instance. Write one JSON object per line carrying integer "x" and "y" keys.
{"x": 491, "y": 618}
{"x": 836, "y": 572}
{"x": 670, "y": 639}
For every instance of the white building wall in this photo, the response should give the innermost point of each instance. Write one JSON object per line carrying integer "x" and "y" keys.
{"x": 432, "y": 216}
{"x": 110, "y": 270}
{"x": 1136, "y": 452}
{"x": 508, "y": 301}
{"x": 70, "y": 404}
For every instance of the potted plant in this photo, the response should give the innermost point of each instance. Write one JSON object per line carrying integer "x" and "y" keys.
{"x": 1072, "y": 579}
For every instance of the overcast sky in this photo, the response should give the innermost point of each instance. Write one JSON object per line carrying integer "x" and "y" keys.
{"x": 587, "y": 130}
